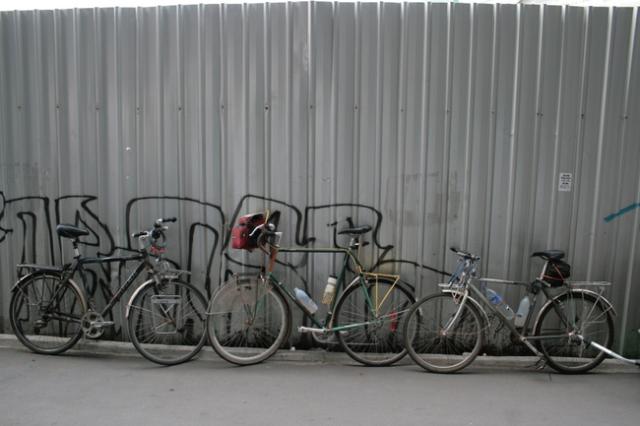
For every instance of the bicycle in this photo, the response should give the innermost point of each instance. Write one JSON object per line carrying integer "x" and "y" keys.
{"x": 444, "y": 332}
{"x": 49, "y": 311}
{"x": 249, "y": 317}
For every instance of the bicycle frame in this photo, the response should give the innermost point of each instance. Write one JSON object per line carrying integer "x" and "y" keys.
{"x": 326, "y": 326}
{"x": 477, "y": 294}
{"x": 69, "y": 271}
{"x": 534, "y": 288}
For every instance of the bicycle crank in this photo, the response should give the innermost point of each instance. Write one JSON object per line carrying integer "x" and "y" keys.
{"x": 303, "y": 329}
{"x": 318, "y": 332}
{"x": 93, "y": 324}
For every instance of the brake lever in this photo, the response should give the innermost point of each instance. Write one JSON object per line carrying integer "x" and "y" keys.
{"x": 162, "y": 220}
{"x": 256, "y": 230}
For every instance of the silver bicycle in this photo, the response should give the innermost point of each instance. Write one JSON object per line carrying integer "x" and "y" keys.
{"x": 572, "y": 331}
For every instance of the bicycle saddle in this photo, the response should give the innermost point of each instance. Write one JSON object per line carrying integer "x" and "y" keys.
{"x": 355, "y": 230}
{"x": 549, "y": 254}
{"x": 70, "y": 231}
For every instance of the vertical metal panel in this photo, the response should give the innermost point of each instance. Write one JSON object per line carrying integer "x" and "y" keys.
{"x": 440, "y": 124}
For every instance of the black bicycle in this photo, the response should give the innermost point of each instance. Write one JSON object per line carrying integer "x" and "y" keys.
{"x": 166, "y": 316}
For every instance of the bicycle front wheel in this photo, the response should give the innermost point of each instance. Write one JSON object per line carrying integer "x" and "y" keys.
{"x": 46, "y": 313}
{"x": 560, "y": 322}
{"x": 247, "y": 321}
{"x": 367, "y": 320}
{"x": 167, "y": 321}
{"x": 442, "y": 336}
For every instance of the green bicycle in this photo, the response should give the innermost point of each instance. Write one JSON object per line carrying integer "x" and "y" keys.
{"x": 249, "y": 317}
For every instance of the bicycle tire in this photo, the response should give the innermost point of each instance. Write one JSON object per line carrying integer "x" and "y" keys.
{"x": 248, "y": 320}
{"x": 47, "y": 335}
{"x": 166, "y": 321}
{"x": 567, "y": 354}
{"x": 377, "y": 343}
{"x": 438, "y": 352}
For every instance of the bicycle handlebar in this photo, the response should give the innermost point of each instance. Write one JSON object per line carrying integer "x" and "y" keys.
{"x": 156, "y": 234}
{"x": 160, "y": 221}
{"x": 464, "y": 254}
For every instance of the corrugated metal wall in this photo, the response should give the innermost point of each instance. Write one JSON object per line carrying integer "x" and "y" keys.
{"x": 439, "y": 124}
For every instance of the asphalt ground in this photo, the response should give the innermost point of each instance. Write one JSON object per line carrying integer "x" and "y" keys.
{"x": 111, "y": 388}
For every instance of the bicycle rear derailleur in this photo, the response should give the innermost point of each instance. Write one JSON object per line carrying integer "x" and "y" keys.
{"x": 93, "y": 324}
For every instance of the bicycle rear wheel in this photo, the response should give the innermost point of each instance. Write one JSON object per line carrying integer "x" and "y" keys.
{"x": 247, "y": 321}
{"x": 368, "y": 318}
{"x": 570, "y": 314}
{"x": 167, "y": 321}
{"x": 45, "y": 313}
{"x": 441, "y": 336}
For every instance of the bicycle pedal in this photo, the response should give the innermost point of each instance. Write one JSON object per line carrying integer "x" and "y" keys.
{"x": 331, "y": 338}
{"x": 540, "y": 364}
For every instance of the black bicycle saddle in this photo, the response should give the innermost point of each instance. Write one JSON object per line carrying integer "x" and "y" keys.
{"x": 70, "y": 231}
{"x": 357, "y": 230}
{"x": 549, "y": 254}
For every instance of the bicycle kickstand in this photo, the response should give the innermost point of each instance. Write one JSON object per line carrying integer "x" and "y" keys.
{"x": 609, "y": 352}
{"x": 540, "y": 364}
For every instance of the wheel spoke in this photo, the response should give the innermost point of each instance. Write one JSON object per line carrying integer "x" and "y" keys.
{"x": 167, "y": 322}
{"x": 436, "y": 344}
{"x": 372, "y": 311}
{"x": 247, "y": 321}
{"x": 45, "y": 313}
{"x": 583, "y": 314}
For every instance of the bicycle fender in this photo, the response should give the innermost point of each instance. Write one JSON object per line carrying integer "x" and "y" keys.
{"x": 38, "y": 271}
{"x": 476, "y": 304}
{"x": 135, "y": 293}
{"x": 597, "y": 296}
{"x": 578, "y": 290}
{"x": 400, "y": 283}
{"x": 45, "y": 270}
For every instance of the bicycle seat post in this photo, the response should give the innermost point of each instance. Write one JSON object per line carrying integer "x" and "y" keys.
{"x": 76, "y": 251}
{"x": 356, "y": 240}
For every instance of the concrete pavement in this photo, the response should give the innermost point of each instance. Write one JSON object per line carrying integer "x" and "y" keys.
{"x": 93, "y": 389}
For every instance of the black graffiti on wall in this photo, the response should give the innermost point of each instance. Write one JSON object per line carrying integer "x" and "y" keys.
{"x": 198, "y": 228}
{"x": 306, "y": 222}
{"x": 27, "y": 227}
{"x": 27, "y": 220}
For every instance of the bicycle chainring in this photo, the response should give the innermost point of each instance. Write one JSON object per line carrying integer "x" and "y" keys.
{"x": 92, "y": 324}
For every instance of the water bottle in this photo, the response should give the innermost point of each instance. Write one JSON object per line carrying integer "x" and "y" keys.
{"x": 330, "y": 290}
{"x": 498, "y": 302}
{"x": 306, "y": 301}
{"x": 523, "y": 311}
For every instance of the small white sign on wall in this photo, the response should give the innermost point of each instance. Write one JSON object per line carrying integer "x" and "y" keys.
{"x": 565, "y": 181}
